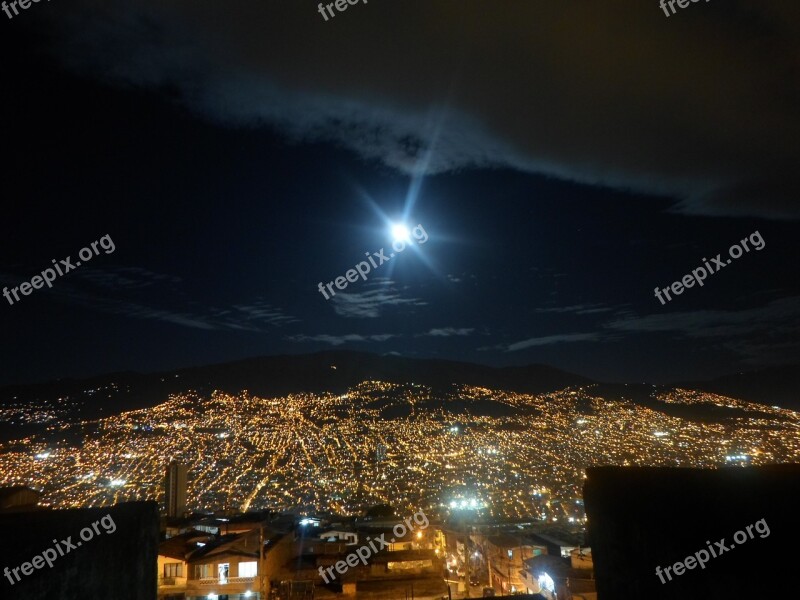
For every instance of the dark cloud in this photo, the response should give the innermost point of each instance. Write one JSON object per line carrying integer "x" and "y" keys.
{"x": 700, "y": 107}
{"x": 761, "y": 335}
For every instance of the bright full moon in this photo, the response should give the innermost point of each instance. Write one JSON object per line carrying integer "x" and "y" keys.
{"x": 400, "y": 232}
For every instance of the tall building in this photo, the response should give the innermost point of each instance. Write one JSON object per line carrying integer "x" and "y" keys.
{"x": 175, "y": 489}
{"x": 380, "y": 453}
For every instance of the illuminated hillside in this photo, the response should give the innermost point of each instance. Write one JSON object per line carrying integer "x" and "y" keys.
{"x": 507, "y": 453}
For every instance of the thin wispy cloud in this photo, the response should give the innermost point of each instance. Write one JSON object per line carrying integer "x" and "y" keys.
{"x": 126, "y": 291}
{"x": 338, "y": 340}
{"x": 124, "y": 277}
{"x": 578, "y": 309}
{"x": 547, "y": 340}
{"x": 553, "y": 339}
{"x": 261, "y": 312}
{"x": 372, "y": 302}
{"x": 449, "y": 331}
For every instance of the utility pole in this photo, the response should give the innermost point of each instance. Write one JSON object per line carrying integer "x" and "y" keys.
{"x": 261, "y": 581}
{"x": 485, "y": 554}
{"x": 467, "y": 557}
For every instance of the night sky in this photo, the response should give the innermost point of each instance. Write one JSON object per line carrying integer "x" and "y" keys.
{"x": 563, "y": 159}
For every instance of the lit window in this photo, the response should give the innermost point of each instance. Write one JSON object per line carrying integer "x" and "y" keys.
{"x": 202, "y": 571}
{"x": 248, "y": 569}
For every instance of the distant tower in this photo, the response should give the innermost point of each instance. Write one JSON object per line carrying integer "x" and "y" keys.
{"x": 175, "y": 489}
{"x": 380, "y": 453}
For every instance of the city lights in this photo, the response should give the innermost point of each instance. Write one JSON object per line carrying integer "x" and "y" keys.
{"x": 459, "y": 459}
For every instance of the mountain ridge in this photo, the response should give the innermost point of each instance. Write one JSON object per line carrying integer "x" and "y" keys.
{"x": 770, "y": 385}
{"x": 277, "y": 375}
{"x": 337, "y": 370}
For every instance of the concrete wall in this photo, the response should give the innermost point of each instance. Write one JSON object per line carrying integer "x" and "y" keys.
{"x": 119, "y": 564}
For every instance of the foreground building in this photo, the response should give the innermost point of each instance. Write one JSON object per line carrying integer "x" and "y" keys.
{"x": 77, "y": 554}
{"x": 18, "y": 498}
{"x": 506, "y": 555}
{"x": 246, "y": 557}
{"x": 640, "y": 552}
{"x": 199, "y": 565}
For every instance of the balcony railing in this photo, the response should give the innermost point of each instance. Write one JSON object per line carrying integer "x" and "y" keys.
{"x": 216, "y": 581}
{"x": 178, "y": 580}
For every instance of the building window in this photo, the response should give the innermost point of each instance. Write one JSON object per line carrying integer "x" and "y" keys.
{"x": 173, "y": 570}
{"x": 202, "y": 571}
{"x": 248, "y": 569}
{"x": 510, "y": 554}
{"x": 224, "y": 570}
